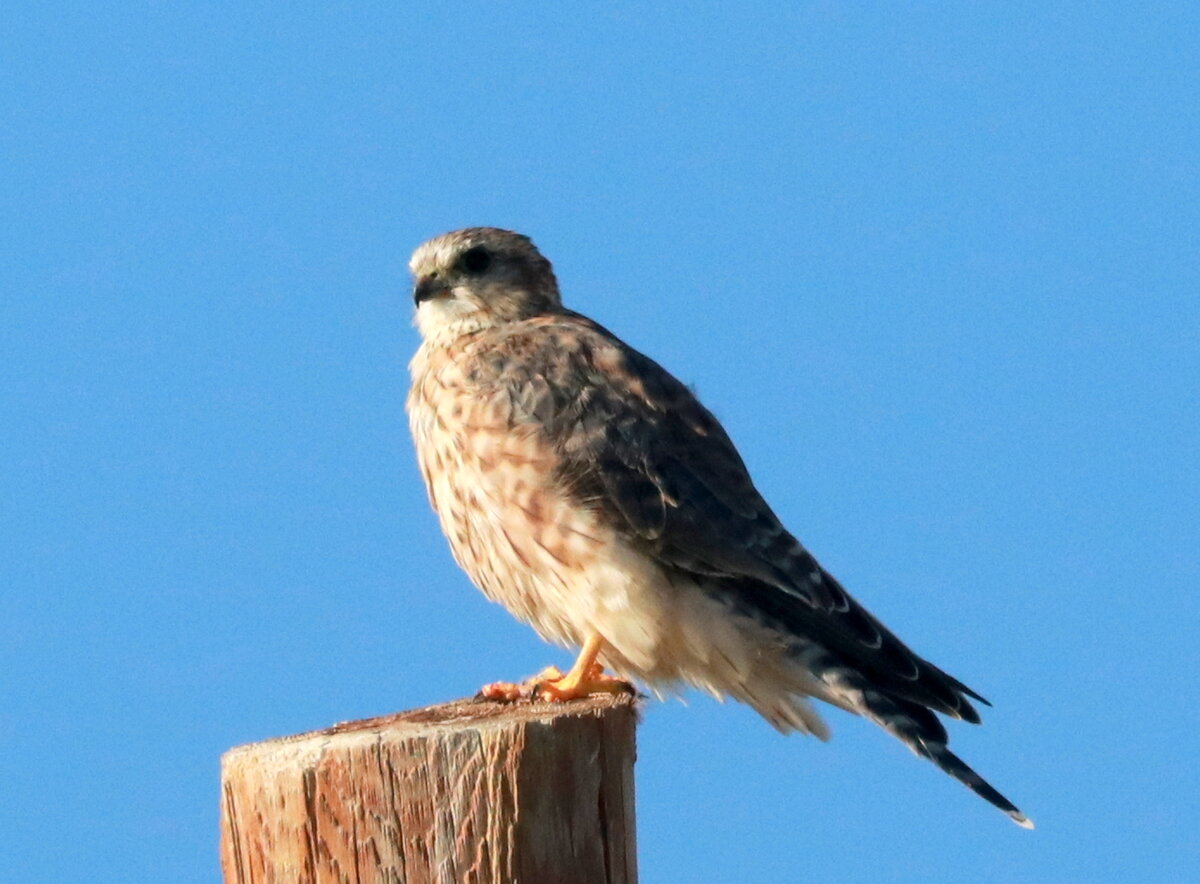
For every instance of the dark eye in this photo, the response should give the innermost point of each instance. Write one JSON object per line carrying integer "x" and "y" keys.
{"x": 477, "y": 260}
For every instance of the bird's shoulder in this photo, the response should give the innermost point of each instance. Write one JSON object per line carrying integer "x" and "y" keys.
{"x": 563, "y": 346}
{"x": 573, "y": 376}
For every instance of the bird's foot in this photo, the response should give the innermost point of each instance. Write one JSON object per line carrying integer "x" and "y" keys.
{"x": 512, "y": 691}
{"x": 552, "y": 685}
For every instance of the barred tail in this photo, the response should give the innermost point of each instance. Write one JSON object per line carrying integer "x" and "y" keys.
{"x": 915, "y": 726}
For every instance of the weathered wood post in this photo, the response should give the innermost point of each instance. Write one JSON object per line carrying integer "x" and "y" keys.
{"x": 470, "y": 791}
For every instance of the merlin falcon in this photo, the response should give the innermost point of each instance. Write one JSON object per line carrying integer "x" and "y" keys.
{"x": 587, "y": 490}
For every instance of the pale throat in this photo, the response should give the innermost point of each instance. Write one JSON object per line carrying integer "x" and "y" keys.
{"x": 440, "y": 322}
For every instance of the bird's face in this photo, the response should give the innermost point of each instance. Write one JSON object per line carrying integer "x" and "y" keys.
{"x": 478, "y": 278}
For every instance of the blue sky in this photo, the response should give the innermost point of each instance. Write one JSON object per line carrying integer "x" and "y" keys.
{"x": 934, "y": 265}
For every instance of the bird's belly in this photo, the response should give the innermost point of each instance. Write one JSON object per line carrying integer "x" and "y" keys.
{"x": 517, "y": 560}
{"x": 527, "y": 545}
{"x": 554, "y": 567}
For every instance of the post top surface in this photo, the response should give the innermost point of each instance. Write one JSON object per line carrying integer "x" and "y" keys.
{"x": 467, "y": 713}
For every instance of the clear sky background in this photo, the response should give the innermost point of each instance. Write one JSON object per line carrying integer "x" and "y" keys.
{"x": 935, "y": 266}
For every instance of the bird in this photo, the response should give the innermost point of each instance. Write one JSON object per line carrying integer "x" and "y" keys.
{"x": 589, "y": 492}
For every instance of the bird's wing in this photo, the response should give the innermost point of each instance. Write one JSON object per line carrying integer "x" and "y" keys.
{"x": 636, "y": 445}
{"x": 639, "y": 448}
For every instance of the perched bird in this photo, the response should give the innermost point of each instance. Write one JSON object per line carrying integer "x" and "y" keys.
{"x": 587, "y": 490}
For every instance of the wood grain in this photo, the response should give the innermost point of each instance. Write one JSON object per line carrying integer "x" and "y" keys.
{"x": 469, "y": 791}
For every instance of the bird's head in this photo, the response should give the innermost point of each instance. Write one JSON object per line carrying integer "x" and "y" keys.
{"x": 477, "y": 278}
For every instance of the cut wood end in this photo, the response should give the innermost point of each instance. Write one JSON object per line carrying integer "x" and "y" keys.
{"x": 468, "y": 712}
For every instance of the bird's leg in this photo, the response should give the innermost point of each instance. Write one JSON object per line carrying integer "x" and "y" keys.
{"x": 586, "y": 677}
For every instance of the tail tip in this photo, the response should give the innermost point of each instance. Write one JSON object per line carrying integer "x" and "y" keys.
{"x": 1020, "y": 819}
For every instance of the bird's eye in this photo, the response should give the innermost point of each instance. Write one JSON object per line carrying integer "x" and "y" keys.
{"x": 477, "y": 260}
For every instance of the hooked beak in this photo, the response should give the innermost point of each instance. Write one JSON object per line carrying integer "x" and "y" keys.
{"x": 428, "y": 288}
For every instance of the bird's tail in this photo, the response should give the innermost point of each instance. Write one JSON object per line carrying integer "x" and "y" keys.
{"x": 915, "y": 726}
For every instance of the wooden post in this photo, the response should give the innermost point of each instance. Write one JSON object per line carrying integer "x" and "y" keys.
{"x": 470, "y": 791}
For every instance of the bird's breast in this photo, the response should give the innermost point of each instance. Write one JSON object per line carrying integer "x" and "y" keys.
{"x": 492, "y": 479}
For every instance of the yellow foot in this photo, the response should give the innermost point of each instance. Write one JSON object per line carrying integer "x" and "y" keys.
{"x": 511, "y": 691}
{"x": 550, "y": 684}
{"x": 558, "y": 688}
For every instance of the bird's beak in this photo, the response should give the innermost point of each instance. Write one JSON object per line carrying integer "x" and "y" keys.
{"x": 428, "y": 288}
